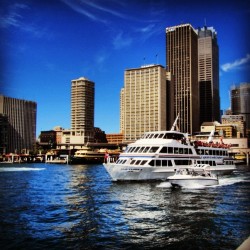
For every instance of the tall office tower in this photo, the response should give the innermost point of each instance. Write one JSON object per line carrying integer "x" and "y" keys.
{"x": 21, "y": 124}
{"x": 143, "y": 102}
{"x": 4, "y": 127}
{"x": 240, "y": 103}
{"x": 170, "y": 101}
{"x": 208, "y": 67}
{"x": 82, "y": 111}
{"x": 122, "y": 111}
{"x": 182, "y": 62}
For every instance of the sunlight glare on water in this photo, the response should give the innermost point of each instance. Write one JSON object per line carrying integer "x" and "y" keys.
{"x": 13, "y": 169}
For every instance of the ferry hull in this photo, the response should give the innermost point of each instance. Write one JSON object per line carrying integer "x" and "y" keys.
{"x": 137, "y": 173}
{"x": 131, "y": 173}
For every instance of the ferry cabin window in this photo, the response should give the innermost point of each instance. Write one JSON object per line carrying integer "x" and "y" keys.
{"x": 176, "y": 151}
{"x": 229, "y": 162}
{"x": 136, "y": 149}
{"x": 153, "y": 149}
{"x": 183, "y": 162}
{"x": 141, "y": 149}
{"x": 121, "y": 161}
{"x": 161, "y": 135}
{"x": 164, "y": 150}
{"x": 187, "y": 151}
{"x": 167, "y": 163}
{"x": 132, "y": 162}
{"x": 211, "y": 163}
{"x": 160, "y": 163}
{"x": 128, "y": 149}
{"x": 151, "y": 163}
{"x": 173, "y": 136}
{"x": 157, "y": 163}
{"x": 170, "y": 150}
{"x": 132, "y": 149}
{"x": 212, "y": 152}
{"x": 146, "y": 150}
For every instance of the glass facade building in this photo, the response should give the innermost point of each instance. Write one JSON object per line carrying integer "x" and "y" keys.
{"x": 182, "y": 62}
{"x": 208, "y": 67}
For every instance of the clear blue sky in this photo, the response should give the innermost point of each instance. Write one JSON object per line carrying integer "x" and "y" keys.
{"x": 46, "y": 43}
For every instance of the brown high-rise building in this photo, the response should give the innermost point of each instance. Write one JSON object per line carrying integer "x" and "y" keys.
{"x": 208, "y": 65}
{"x": 20, "y": 124}
{"x": 82, "y": 110}
{"x": 182, "y": 62}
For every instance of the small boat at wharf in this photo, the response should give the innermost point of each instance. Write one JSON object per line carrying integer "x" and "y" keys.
{"x": 88, "y": 155}
{"x": 191, "y": 176}
{"x": 58, "y": 160}
{"x": 157, "y": 155}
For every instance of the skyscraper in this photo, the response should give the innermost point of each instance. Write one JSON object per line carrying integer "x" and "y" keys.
{"x": 208, "y": 65}
{"x": 182, "y": 62}
{"x": 20, "y": 117}
{"x": 143, "y": 101}
{"x": 122, "y": 106}
{"x": 82, "y": 110}
{"x": 240, "y": 103}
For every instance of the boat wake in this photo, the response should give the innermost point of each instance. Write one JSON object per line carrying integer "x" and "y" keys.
{"x": 164, "y": 184}
{"x": 11, "y": 169}
{"x": 233, "y": 180}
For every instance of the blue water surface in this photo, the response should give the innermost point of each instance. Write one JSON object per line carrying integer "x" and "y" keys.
{"x": 54, "y": 206}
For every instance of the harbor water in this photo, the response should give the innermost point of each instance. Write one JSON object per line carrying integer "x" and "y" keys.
{"x": 57, "y": 206}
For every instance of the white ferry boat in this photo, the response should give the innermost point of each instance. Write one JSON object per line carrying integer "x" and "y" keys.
{"x": 157, "y": 155}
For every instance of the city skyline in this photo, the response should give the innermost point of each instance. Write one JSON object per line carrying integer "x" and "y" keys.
{"x": 46, "y": 44}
